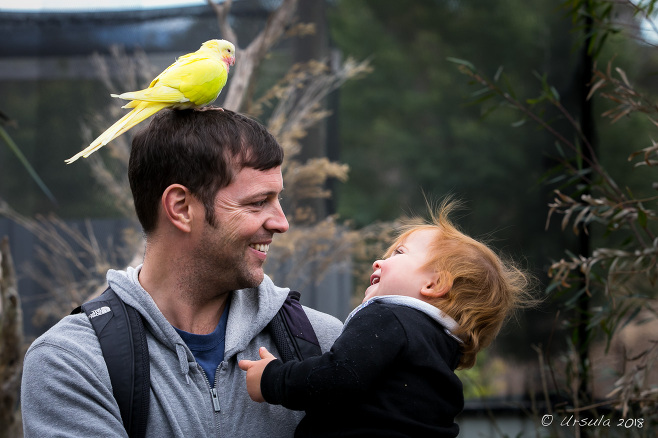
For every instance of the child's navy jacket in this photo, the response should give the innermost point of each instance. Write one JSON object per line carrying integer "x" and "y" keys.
{"x": 389, "y": 374}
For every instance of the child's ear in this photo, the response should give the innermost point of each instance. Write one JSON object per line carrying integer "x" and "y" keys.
{"x": 437, "y": 286}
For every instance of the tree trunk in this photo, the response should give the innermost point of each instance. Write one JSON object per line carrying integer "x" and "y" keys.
{"x": 11, "y": 346}
{"x": 583, "y": 332}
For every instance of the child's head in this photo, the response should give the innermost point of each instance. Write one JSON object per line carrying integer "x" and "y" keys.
{"x": 406, "y": 269}
{"x": 459, "y": 275}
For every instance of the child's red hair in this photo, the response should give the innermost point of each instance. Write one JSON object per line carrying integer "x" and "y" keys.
{"x": 484, "y": 289}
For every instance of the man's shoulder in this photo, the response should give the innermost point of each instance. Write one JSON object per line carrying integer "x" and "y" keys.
{"x": 327, "y": 327}
{"x": 70, "y": 347}
{"x": 315, "y": 316}
{"x": 73, "y": 334}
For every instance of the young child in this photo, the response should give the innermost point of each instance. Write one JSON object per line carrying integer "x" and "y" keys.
{"x": 435, "y": 300}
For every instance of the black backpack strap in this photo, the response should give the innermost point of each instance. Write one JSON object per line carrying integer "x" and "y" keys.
{"x": 121, "y": 333}
{"x": 292, "y": 331}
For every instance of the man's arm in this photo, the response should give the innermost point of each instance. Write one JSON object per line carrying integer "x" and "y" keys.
{"x": 63, "y": 395}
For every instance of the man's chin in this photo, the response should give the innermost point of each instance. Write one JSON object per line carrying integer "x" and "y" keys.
{"x": 254, "y": 280}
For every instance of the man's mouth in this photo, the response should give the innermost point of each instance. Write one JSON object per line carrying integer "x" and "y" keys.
{"x": 260, "y": 247}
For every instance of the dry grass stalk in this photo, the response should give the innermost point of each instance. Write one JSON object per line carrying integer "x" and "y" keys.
{"x": 69, "y": 264}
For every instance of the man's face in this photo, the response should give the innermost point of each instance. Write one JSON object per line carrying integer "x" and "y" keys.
{"x": 247, "y": 214}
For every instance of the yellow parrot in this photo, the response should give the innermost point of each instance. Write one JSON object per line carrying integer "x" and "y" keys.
{"x": 195, "y": 79}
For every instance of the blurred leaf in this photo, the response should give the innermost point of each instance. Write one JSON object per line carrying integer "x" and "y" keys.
{"x": 10, "y": 142}
{"x": 461, "y": 62}
{"x": 498, "y": 73}
{"x": 554, "y": 93}
{"x": 642, "y": 218}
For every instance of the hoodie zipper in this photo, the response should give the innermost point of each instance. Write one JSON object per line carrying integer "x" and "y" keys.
{"x": 214, "y": 397}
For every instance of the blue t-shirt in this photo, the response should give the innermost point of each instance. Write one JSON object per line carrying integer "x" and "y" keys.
{"x": 208, "y": 350}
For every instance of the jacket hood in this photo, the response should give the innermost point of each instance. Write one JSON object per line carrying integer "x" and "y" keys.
{"x": 251, "y": 310}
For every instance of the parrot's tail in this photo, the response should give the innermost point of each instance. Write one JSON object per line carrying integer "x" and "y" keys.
{"x": 142, "y": 111}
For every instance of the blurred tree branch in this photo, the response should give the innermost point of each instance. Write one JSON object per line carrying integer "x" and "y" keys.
{"x": 249, "y": 58}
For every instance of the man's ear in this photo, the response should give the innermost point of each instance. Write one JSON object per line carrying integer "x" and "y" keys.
{"x": 437, "y": 286}
{"x": 177, "y": 205}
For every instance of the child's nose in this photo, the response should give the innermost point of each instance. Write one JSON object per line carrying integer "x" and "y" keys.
{"x": 376, "y": 265}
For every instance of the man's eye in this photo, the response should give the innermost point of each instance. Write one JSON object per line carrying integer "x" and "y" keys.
{"x": 259, "y": 203}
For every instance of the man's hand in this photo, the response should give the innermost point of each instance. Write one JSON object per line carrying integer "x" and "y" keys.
{"x": 254, "y": 369}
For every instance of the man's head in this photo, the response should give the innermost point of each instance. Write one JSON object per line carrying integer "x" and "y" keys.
{"x": 201, "y": 149}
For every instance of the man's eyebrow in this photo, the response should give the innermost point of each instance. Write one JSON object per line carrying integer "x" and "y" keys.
{"x": 272, "y": 192}
{"x": 267, "y": 194}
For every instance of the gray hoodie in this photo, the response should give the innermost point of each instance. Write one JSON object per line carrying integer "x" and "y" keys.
{"x": 66, "y": 388}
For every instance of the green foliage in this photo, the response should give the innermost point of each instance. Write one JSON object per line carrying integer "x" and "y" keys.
{"x": 611, "y": 281}
{"x": 403, "y": 129}
{"x": 403, "y": 134}
{"x": 406, "y": 129}
{"x": 483, "y": 380}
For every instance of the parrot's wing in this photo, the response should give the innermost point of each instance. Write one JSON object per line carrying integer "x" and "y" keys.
{"x": 159, "y": 93}
{"x": 199, "y": 79}
{"x": 181, "y": 60}
{"x": 192, "y": 78}
{"x": 204, "y": 88}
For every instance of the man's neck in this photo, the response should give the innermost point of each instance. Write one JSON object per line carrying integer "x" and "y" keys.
{"x": 186, "y": 301}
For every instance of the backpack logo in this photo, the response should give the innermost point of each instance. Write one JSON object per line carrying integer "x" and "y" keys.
{"x": 98, "y": 312}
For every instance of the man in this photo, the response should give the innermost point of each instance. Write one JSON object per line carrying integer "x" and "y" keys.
{"x": 206, "y": 185}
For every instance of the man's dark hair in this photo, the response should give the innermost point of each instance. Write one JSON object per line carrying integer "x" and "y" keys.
{"x": 201, "y": 149}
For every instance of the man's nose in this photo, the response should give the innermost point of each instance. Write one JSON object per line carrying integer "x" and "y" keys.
{"x": 278, "y": 222}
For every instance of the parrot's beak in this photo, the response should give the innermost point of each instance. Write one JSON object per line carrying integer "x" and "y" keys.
{"x": 231, "y": 60}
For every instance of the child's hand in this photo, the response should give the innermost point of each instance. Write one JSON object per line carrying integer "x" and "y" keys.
{"x": 254, "y": 369}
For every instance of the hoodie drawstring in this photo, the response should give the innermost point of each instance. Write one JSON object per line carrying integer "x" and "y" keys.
{"x": 183, "y": 362}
